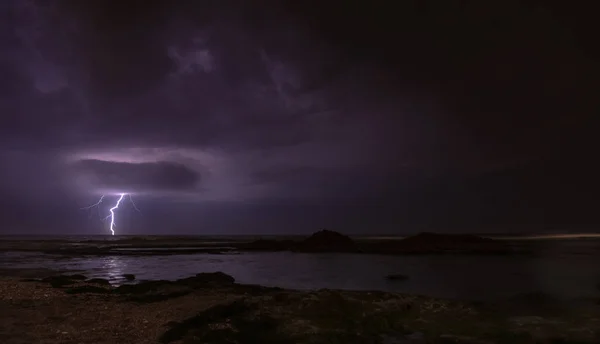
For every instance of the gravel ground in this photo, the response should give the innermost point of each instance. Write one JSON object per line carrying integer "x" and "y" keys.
{"x": 33, "y": 312}
{"x": 37, "y": 313}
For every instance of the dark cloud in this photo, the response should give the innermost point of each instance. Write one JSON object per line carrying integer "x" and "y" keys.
{"x": 138, "y": 177}
{"x": 307, "y": 102}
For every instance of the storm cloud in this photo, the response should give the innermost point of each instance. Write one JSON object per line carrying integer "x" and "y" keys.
{"x": 122, "y": 177}
{"x": 264, "y": 103}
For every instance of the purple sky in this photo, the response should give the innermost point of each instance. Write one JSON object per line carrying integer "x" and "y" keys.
{"x": 268, "y": 117}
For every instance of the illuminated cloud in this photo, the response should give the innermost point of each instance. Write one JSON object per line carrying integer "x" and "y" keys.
{"x": 121, "y": 177}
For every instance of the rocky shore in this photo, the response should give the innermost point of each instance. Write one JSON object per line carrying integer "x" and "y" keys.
{"x": 212, "y": 308}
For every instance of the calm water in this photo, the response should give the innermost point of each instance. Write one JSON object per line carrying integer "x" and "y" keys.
{"x": 568, "y": 269}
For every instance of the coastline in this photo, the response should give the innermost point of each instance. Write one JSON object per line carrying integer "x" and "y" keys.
{"x": 212, "y": 308}
{"x": 323, "y": 241}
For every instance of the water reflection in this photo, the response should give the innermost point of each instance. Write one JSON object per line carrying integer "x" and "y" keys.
{"x": 453, "y": 276}
{"x": 114, "y": 267}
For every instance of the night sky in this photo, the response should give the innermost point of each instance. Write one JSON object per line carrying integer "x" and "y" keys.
{"x": 227, "y": 117}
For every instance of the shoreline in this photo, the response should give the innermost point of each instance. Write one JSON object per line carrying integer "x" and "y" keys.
{"x": 211, "y": 307}
{"x": 319, "y": 242}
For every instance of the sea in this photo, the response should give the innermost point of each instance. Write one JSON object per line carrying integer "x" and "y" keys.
{"x": 563, "y": 267}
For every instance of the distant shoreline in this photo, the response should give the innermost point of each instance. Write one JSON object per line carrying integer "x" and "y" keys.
{"x": 237, "y": 237}
{"x": 322, "y": 241}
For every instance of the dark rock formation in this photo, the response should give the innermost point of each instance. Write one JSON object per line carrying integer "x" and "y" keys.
{"x": 129, "y": 277}
{"x": 77, "y": 277}
{"x": 99, "y": 281}
{"x": 244, "y": 325}
{"x": 327, "y": 241}
{"x": 143, "y": 287}
{"x": 153, "y": 291}
{"x": 62, "y": 280}
{"x": 207, "y": 279}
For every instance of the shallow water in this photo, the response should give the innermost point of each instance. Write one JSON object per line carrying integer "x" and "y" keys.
{"x": 566, "y": 269}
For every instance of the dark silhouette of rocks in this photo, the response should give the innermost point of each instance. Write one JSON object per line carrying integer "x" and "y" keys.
{"x": 143, "y": 287}
{"x": 98, "y": 281}
{"x": 200, "y": 280}
{"x": 327, "y": 241}
{"x": 129, "y": 277}
{"x": 207, "y": 278}
{"x": 151, "y": 291}
{"x": 77, "y": 277}
{"x": 62, "y": 280}
{"x": 160, "y": 290}
{"x": 424, "y": 243}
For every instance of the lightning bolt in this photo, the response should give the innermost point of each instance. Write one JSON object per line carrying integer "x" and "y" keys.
{"x": 97, "y": 204}
{"x": 133, "y": 204}
{"x": 112, "y": 210}
{"x": 112, "y": 213}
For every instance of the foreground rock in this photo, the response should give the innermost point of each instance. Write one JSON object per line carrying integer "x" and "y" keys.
{"x": 217, "y": 310}
{"x": 98, "y": 281}
{"x": 58, "y": 281}
{"x": 149, "y": 291}
{"x": 330, "y": 316}
{"x": 327, "y": 241}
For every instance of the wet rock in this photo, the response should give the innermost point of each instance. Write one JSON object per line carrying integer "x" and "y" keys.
{"x": 396, "y": 277}
{"x": 99, "y": 281}
{"x": 143, "y": 287}
{"x": 207, "y": 278}
{"x": 237, "y": 322}
{"x": 77, "y": 277}
{"x": 60, "y": 280}
{"x": 153, "y": 291}
{"x": 129, "y": 277}
{"x": 29, "y": 280}
{"x": 327, "y": 241}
